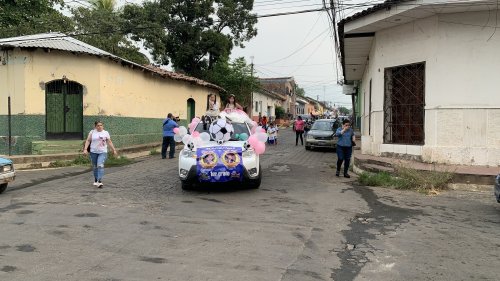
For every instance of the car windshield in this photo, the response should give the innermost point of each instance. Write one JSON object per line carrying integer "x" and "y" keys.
{"x": 322, "y": 126}
{"x": 239, "y": 128}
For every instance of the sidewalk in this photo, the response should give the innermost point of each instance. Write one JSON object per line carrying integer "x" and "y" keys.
{"x": 23, "y": 162}
{"x": 482, "y": 175}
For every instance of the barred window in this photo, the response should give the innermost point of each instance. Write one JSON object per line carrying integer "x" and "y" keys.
{"x": 404, "y": 104}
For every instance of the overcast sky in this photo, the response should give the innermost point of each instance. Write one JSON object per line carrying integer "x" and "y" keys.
{"x": 295, "y": 45}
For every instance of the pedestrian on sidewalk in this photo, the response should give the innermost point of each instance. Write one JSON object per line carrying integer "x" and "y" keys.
{"x": 168, "y": 137}
{"x": 298, "y": 126}
{"x": 98, "y": 141}
{"x": 344, "y": 147}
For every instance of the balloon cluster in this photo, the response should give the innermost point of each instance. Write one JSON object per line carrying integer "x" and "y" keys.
{"x": 258, "y": 138}
{"x": 195, "y": 139}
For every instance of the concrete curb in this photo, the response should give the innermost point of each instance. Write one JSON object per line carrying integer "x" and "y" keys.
{"x": 26, "y": 162}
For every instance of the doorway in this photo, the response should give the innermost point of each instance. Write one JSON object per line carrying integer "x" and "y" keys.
{"x": 190, "y": 110}
{"x": 63, "y": 110}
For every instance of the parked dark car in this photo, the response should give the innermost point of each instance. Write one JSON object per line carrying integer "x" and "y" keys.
{"x": 7, "y": 173}
{"x": 497, "y": 188}
{"x": 322, "y": 134}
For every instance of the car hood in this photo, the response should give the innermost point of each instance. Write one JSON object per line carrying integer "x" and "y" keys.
{"x": 4, "y": 161}
{"x": 318, "y": 133}
{"x": 227, "y": 143}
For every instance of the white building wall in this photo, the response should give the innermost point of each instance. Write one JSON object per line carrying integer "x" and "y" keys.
{"x": 462, "y": 91}
{"x": 265, "y": 102}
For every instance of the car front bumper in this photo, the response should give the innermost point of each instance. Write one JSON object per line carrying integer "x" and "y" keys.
{"x": 321, "y": 143}
{"x": 7, "y": 177}
{"x": 188, "y": 168}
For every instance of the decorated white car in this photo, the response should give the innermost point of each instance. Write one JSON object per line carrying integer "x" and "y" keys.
{"x": 221, "y": 149}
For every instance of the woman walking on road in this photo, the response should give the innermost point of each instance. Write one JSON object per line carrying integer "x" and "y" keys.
{"x": 98, "y": 140}
{"x": 298, "y": 126}
{"x": 344, "y": 147}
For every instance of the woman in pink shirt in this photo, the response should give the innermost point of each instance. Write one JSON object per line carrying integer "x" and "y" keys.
{"x": 298, "y": 127}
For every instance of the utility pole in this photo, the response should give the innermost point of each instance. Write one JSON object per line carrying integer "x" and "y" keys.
{"x": 251, "y": 88}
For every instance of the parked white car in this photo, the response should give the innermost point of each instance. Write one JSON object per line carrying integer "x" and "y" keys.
{"x": 7, "y": 173}
{"x": 217, "y": 162}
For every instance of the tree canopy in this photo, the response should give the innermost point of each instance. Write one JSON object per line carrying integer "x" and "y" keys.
{"x": 235, "y": 78}
{"x": 192, "y": 36}
{"x": 103, "y": 28}
{"x": 23, "y": 17}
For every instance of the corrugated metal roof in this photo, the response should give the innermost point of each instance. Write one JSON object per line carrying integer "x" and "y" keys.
{"x": 63, "y": 42}
{"x": 53, "y": 40}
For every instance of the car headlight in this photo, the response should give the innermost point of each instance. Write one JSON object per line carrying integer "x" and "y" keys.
{"x": 188, "y": 153}
{"x": 310, "y": 137}
{"x": 248, "y": 153}
{"x": 6, "y": 168}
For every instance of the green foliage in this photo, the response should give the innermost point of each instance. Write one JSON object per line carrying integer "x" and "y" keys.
{"x": 23, "y": 17}
{"x": 113, "y": 161}
{"x": 81, "y": 160}
{"x": 105, "y": 27}
{"x": 185, "y": 34}
{"x": 300, "y": 91}
{"x": 344, "y": 110}
{"x": 408, "y": 178}
{"x": 379, "y": 179}
{"x": 235, "y": 78}
{"x": 279, "y": 112}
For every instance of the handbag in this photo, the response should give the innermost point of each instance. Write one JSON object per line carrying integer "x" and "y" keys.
{"x": 353, "y": 143}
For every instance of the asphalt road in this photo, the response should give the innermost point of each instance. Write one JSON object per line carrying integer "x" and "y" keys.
{"x": 302, "y": 224}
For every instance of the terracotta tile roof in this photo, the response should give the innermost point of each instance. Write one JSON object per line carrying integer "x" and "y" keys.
{"x": 182, "y": 77}
{"x": 63, "y": 42}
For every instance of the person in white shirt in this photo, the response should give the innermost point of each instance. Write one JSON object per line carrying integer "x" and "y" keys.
{"x": 272, "y": 133}
{"x": 212, "y": 106}
{"x": 98, "y": 141}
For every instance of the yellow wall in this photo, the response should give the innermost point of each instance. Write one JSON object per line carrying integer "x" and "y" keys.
{"x": 12, "y": 82}
{"x": 109, "y": 87}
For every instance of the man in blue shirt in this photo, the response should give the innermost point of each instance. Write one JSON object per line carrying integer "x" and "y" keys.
{"x": 344, "y": 146}
{"x": 168, "y": 137}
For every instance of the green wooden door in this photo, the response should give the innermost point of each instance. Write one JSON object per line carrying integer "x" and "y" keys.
{"x": 64, "y": 110}
{"x": 190, "y": 110}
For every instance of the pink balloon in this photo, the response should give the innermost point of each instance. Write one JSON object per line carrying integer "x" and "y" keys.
{"x": 259, "y": 148}
{"x": 192, "y": 126}
{"x": 254, "y": 124}
{"x": 176, "y": 130}
{"x": 262, "y": 130}
{"x": 253, "y": 140}
{"x": 196, "y": 134}
{"x": 195, "y": 120}
{"x": 252, "y": 131}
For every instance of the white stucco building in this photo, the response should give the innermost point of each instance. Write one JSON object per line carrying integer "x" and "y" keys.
{"x": 427, "y": 75}
{"x": 264, "y": 104}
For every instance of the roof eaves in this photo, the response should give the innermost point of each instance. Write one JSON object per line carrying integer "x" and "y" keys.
{"x": 340, "y": 26}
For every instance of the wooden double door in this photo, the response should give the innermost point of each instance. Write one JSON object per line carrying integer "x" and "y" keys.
{"x": 64, "y": 110}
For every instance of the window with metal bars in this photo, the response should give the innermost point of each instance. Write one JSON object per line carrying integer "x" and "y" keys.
{"x": 404, "y": 104}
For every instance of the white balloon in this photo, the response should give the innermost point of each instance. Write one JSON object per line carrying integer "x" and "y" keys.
{"x": 186, "y": 139}
{"x": 197, "y": 142}
{"x": 205, "y": 137}
{"x": 262, "y": 137}
{"x": 177, "y": 138}
{"x": 182, "y": 130}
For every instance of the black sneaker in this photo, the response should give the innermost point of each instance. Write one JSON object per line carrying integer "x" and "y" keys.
{"x": 171, "y": 157}
{"x": 337, "y": 174}
{"x": 347, "y": 176}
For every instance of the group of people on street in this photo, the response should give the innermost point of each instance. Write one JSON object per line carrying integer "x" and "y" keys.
{"x": 98, "y": 139}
